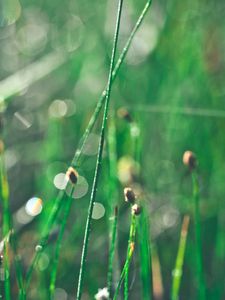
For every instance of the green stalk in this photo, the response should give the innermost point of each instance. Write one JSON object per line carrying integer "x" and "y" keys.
{"x": 45, "y": 237}
{"x": 111, "y": 203}
{"x": 5, "y": 226}
{"x": 59, "y": 245}
{"x": 130, "y": 251}
{"x": 177, "y": 272}
{"x": 18, "y": 267}
{"x": 130, "y": 241}
{"x": 114, "y": 75}
{"x": 77, "y": 155}
{"x": 200, "y": 275}
{"x": 99, "y": 156}
{"x": 145, "y": 255}
{"x": 112, "y": 250}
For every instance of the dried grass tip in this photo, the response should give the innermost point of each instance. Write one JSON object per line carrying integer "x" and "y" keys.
{"x": 189, "y": 160}
{"x": 72, "y": 175}
{"x": 129, "y": 195}
{"x": 136, "y": 210}
{"x": 1, "y": 147}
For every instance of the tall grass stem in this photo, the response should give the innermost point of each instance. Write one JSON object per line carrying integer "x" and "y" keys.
{"x": 5, "y": 226}
{"x": 99, "y": 155}
{"x": 130, "y": 252}
{"x": 178, "y": 270}
{"x": 201, "y": 284}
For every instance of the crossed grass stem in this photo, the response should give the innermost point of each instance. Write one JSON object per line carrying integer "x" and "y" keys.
{"x": 75, "y": 161}
{"x": 99, "y": 155}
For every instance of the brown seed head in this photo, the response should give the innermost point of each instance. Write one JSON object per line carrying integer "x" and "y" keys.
{"x": 124, "y": 114}
{"x": 189, "y": 160}
{"x": 129, "y": 195}
{"x": 72, "y": 175}
{"x": 136, "y": 210}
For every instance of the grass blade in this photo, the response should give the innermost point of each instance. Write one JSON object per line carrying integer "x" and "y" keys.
{"x": 200, "y": 275}
{"x": 6, "y": 224}
{"x": 77, "y": 155}
{"x": 99, "y": 156}
{"x": 59, "y": 245}
{"x": 112, "y": 250}
{"x": 145, "y": 255}
{"x": 130, "y": 251}
{"x": 177, "y": 272}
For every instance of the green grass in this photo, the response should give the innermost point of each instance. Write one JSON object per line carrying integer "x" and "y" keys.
{"x": 167, "y": 71}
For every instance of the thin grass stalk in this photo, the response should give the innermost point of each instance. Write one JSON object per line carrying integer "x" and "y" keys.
{"x": 145, "y": 255}
{"x": 113, "y": 179}
{"x": 44, "y": 238}
{"x": 5, "y": 226}
{"x": 112, "y": 250}
{"x": 201, "y": 284}
{"x": 59, "y": 245}
{"x": 114, "y": 75}
{"x": 77, "y": 156}
{"x": 111, "y": 203}
{"x": 99, "y": 156}
{"x": 18, "y": 266}
{"x": 130, "y": 242}
{"x": 130, "y": 252}
{"x": 178, "y": 270}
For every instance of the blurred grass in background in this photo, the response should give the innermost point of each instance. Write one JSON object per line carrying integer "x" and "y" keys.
{"x": 54, "y": 62}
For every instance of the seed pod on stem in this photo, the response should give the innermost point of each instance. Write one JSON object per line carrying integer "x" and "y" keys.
{"x": 72, "y": 175}
{"x": 123, "y": 113}
{"x": 190, "y": 160}
{"x": 129, "y": 195}
{"x": 136, "y": 210}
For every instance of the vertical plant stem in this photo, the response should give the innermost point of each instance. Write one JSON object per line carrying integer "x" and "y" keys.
{"x": 130, "y": 241}
{"x": 77, "y": 155}
{"x": 114, "y": 75}
{"x": 177, "y": 272}
{"x": 112, "y": 250}
{"x": 145, "y": 255}
{"x": 113, "y": 266}
{"x": 130, "y": 251}
{"x": 99, "y": 156}
{"x": 5, "y": 226}
{"x": 45, "y": 236}
{"x": 59, "y": 244}
{"x": 200, "y": 275}
{"x": 18, "y": 266}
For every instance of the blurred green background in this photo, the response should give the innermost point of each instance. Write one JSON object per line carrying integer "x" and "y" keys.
{"x": 54, "y": 62}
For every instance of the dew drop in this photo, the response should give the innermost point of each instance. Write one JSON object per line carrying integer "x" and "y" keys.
{"x": 33, "y": 206}
{"x": 38, "y": 248}
{"x": 80, "y": 189}
{"x": 60, "y": 181}
{"x": 58, "y": 109}
{"x": 98, "y": 211}
{"x": 43, "y": 262}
